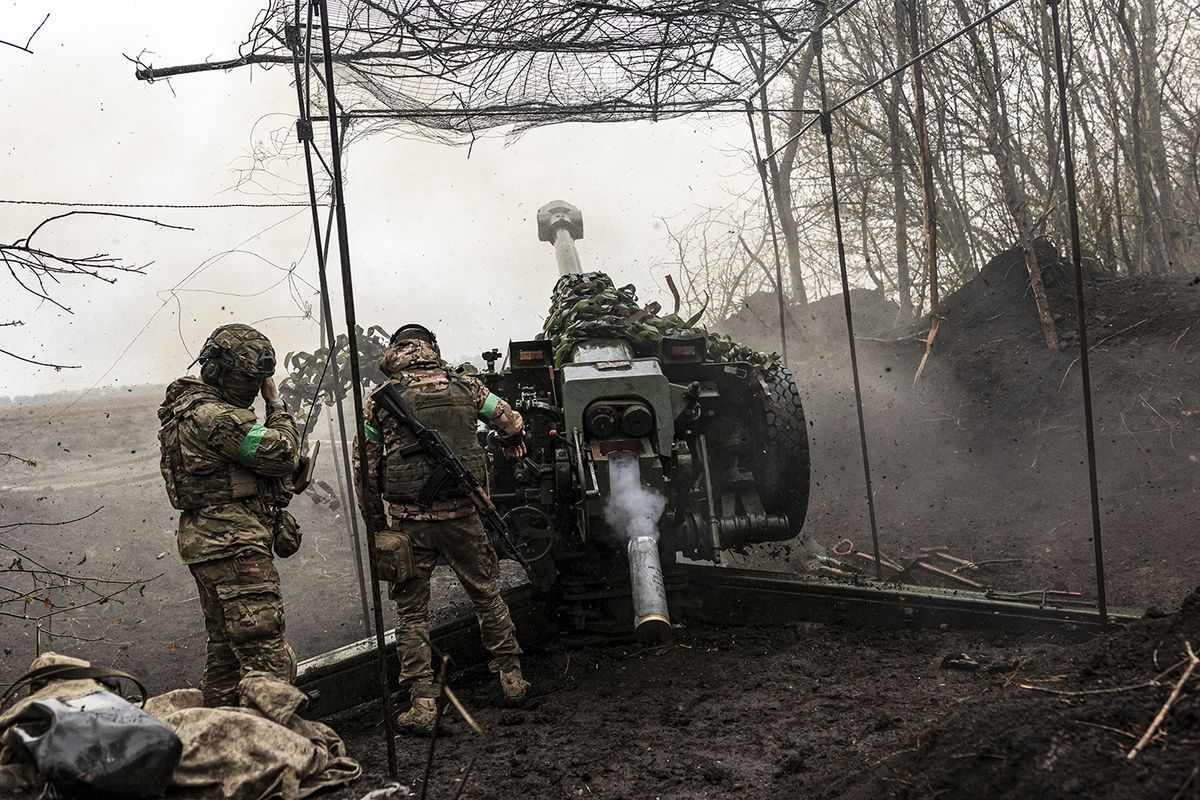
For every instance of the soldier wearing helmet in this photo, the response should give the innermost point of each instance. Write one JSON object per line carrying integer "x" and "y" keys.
{"x": 450, "y": 526}
{"x": 230, "y": 478}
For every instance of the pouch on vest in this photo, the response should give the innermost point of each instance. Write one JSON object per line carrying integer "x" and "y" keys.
{"x": 98, "y": 746}
{"x": 285, "y": 534}
{"x": 394, "y": 561}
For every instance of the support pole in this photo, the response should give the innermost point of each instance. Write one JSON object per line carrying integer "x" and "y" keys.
{"x": 827, "y": 128}
{"x": 356, "y": 375}
{"x": 762, "y": 174}
{"x": 304, "y": 131}
{"x": 1080, "y": 312}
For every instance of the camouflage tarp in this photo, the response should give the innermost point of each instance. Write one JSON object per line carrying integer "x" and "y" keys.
{"x": 590, "y": 306}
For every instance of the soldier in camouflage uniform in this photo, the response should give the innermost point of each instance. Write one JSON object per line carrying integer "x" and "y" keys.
{"x": 450, "y": 527}
{"x": 230, "y": 478}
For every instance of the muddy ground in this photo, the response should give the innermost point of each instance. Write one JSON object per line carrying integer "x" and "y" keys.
{"x": 815, "y": 712}
{"x": 984, "y": 455}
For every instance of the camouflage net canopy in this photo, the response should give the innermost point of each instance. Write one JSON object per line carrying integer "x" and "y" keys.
{"x": 590, "y": 306}
{"x": 458, "y": 67}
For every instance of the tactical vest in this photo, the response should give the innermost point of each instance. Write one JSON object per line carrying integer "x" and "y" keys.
{"x": 451, "y": 412}
{"x": 197, "y": 476}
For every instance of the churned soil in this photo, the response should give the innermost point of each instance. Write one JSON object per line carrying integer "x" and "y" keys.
{"x": 1067, "y": 726}
{"x": 820, "y": 712}
{"x": 745, "y": 712}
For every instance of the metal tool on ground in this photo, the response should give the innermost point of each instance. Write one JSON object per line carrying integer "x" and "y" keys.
{"x": 921, "y": 563}
{"x": 964, "y": 564}
{"x": 845, "y": 548}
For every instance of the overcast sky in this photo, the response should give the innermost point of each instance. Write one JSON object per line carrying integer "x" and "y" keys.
{"x": 436, "y": 236}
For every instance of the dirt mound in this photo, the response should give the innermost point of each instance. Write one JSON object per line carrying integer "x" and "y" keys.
{"x": 819, "y": 326}
{"x": 986, "y": 453}
{"x": 998, "y": 301}
{"x": 1068, "y": 737}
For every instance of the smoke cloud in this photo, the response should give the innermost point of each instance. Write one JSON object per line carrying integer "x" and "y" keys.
{"x": 633, "y": 508}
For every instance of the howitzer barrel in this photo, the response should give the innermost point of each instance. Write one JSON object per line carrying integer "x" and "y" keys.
{"x": 560, "y": 224}
{"x": 651, "y": 618}
{"x": 632, "y": 511}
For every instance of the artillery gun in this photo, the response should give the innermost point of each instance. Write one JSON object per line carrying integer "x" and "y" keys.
{"x": 718, "y": 435}
{"x": 622, "y": 403}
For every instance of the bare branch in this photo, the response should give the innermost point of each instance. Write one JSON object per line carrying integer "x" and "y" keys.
{"x": 28, "y": 41}
{"x": 39, "y": 363}
{"x": 48, "y": 524}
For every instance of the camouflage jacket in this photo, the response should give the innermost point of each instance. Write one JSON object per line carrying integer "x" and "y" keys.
{"x": 215, "y": 431}
{"x": 418, "y": 365}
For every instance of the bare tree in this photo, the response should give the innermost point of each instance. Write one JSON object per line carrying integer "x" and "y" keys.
{"x": 38, "y": 269}
{"x": 720, "y": 259}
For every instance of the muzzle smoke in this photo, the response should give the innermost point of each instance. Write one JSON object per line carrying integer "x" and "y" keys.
{"x": 633, "y": 509}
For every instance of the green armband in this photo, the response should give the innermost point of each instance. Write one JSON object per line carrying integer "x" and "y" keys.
{"x": 372, "y": 433}
{"x": 250, "y": 444}
{"x": 488, "y": 410}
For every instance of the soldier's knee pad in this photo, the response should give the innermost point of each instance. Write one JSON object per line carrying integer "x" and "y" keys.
{"x": 219, "y": 654}
{"x": 253, "y": 612}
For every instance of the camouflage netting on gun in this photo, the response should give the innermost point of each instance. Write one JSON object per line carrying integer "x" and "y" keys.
{"x": 590, "y": 306}
{"x": 311, "y": 375}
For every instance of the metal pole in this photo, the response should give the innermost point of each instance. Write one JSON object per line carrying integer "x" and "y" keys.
{"x": 1080, "y": 312}
{"x": 762, "y": 174}
{"x": 356, "y": 376}
{"x": 304, "y": 131}
{"x": 827, "y": 129}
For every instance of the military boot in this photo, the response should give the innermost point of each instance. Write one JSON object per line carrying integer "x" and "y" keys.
{"x": 514, "y": 686}
{"x": 419, "y": 719}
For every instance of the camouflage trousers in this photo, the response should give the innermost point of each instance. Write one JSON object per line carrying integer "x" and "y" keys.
{"x": 465, "y": 547}
{"x": 243, "y": 620}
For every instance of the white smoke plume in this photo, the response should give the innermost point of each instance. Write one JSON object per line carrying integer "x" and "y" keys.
{"x": 633, "y": 508}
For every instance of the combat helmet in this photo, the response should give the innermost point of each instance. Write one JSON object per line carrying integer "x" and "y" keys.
{"x": 235, "y": 359}
{"x": 414, "y": 330}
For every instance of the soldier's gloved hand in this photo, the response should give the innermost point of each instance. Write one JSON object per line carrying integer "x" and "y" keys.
{"x": 270, "y": 392}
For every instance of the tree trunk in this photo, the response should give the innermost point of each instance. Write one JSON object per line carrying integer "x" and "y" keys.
{"x": 781, "y": 169}
{"x": 929, "y": 198}
{"x": 1000, "y": 142}
{"x": 899, "y": 196}
{"x": 1150, "y": 251}
{"x": 1170, "y": 233}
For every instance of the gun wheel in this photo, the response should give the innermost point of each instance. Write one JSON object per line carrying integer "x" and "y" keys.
{"x": 782, "y": 464}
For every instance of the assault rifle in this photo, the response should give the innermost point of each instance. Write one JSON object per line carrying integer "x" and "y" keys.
{"x": 448, "y": 469}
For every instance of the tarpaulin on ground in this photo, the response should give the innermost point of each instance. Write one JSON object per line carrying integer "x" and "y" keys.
{"x": 259, "y": 751}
